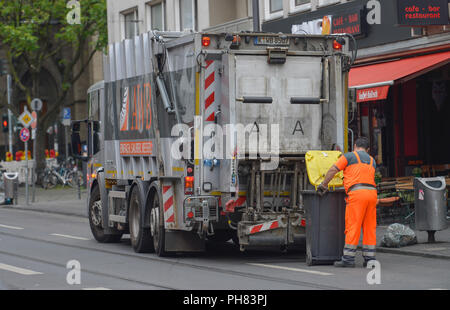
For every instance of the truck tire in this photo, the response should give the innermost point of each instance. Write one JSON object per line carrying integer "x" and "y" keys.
{"x": 95, "y": 219}
{"x": 141, "y": 238}
{"x": 309, "y": 260}
{"x": 157, "y": 225}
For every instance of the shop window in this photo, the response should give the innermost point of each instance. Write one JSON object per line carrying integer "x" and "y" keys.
{"x": 273, "y": 9}
{"x": 156, "y": 15}
{"x": 187, "y": 14}
{"x": 299, "y": 5}
{"x": 130, "y": 24}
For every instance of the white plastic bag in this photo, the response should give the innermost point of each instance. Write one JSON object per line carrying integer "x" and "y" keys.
{"x": 398, "y": 235}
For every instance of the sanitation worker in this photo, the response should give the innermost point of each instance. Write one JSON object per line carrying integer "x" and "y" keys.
{"x": 359, "y": 182}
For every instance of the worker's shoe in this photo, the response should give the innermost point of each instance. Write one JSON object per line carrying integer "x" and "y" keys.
{"x": 344, "y": 264}
{"x": 365, "y": 263}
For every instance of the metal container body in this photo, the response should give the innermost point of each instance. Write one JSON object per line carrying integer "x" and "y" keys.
{"x": 325, "y": 226}
{"x": 11, "y": 181}
{"x": 430, "y": 203}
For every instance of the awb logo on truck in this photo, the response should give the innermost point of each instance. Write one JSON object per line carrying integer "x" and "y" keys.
{"x": 136, "y": 110}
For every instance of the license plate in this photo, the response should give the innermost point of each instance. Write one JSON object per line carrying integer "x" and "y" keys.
{"x": 272, "y": 41}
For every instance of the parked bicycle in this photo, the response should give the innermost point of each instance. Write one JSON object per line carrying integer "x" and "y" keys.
{"x": 66, "y": 174}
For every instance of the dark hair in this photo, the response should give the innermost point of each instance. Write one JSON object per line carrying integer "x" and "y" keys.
{"x": 362, "y": 142}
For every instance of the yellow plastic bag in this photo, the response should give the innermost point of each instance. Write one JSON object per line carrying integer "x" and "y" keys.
{"x": 317, "y": 165}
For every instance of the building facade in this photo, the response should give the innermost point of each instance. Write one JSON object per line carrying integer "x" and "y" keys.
{"x": 129, "y": 18}
{"x": 401, "y": 112}
{"x": 401, "y": 79}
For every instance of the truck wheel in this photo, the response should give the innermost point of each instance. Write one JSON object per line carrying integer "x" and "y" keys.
{"x": 157, "y": 226}
{"x": 95, "y": 219}
{"x": 309, "y": 260}
{"x": 141, "y": 238}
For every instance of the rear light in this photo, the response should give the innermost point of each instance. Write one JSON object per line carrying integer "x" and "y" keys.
{"x": 236, "y": 42}
{"x": 206, "y": 41}
{"x": 190, "y": 215}
{"x": 188, "y": 185}
{"x": 337, "y": 46}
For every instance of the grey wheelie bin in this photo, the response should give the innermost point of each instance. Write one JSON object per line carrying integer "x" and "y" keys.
{"x": 430, "y": 205}
{"x": 325, "y": 226}
{"x": 325, "y": 215}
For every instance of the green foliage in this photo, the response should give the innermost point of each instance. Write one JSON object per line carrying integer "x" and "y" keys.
{"x": 27, "y": 25}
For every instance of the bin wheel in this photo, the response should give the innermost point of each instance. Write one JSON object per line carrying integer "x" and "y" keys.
{"x": 95, "y": 219}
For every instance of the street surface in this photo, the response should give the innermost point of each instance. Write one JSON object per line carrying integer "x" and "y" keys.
{"x": 35, "y": 248}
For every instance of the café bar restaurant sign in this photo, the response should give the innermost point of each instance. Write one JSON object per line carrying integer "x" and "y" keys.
{"x": 348, "y": 22}
{"x": 422, "y": 12}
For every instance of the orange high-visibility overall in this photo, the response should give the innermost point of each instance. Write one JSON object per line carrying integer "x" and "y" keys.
{"x": 361, "y": 212}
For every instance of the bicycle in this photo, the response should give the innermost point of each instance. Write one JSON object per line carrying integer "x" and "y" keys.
{"x": 66, "y": 174}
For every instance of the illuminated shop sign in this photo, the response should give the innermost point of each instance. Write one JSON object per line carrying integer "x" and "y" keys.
{"x": 348, "y": 23}
{"x": 422, "y": 12}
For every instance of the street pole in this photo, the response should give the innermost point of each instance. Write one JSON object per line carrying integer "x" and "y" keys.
{"x": 67, "y": 143}
{"x": 255, "y": 6}
{"x": 78, "y": 181}
{"x": 9, "y": 82}
{"x": 33, "y": 175}
{"x": 26, "y": 174}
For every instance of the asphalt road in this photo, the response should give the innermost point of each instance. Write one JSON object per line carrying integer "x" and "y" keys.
{"x": 36, "y": 247}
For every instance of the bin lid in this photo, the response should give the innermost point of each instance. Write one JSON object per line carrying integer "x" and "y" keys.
{"x": 317, "y": 165}
{"x": 436, "y": 183}
{"x": 11, "y": 175}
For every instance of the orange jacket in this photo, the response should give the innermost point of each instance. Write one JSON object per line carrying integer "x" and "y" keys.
{"x": 359, "y": 168}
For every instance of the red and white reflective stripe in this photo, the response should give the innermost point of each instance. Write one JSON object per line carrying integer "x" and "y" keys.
{"x": 210, "y": 91}
{"x": 263, "y": 227}
{"x": 240, "y": 201}
{"x": 168, "y": 204}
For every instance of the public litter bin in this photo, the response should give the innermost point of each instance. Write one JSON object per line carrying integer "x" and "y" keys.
{"x": 430, "y": 204}
{"x": 11, "y": 182}
{"x": 325, "y": 215}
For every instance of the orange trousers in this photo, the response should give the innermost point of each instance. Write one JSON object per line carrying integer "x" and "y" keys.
{"x": 361, "y": 212}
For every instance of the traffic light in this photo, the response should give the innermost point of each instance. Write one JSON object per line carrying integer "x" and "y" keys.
{"x": 5, "y": 123}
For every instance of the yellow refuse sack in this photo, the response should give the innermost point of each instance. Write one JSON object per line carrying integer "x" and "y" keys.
{"x": 317, "y": 165}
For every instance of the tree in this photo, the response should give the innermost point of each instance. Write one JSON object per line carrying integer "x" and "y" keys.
{"x": 36, "y": 35}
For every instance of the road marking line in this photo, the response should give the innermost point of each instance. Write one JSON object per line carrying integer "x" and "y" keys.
{"x": 11, "y": 227}
{"x": 293, "y": 269}
{"x": 96, "y": 289}
{"x": 70, "y": 237}
{"x": 436, "y": 249}
{"x": 18, "y": 270}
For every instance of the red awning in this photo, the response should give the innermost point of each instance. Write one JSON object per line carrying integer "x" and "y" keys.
{"x": 372, "y": 82}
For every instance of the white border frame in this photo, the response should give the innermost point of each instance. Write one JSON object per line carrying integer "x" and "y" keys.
{"x": 270, "y": 16}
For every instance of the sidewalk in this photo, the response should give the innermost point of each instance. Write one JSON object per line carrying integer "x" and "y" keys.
{"x": 58, "y": 200}
{"x": 439, "y": 249}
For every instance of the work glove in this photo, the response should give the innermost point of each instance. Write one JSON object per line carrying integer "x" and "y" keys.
{"x": 322, "y": 189}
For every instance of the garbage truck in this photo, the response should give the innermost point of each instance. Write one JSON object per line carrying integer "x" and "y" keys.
{"x": 201, "y": 137}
